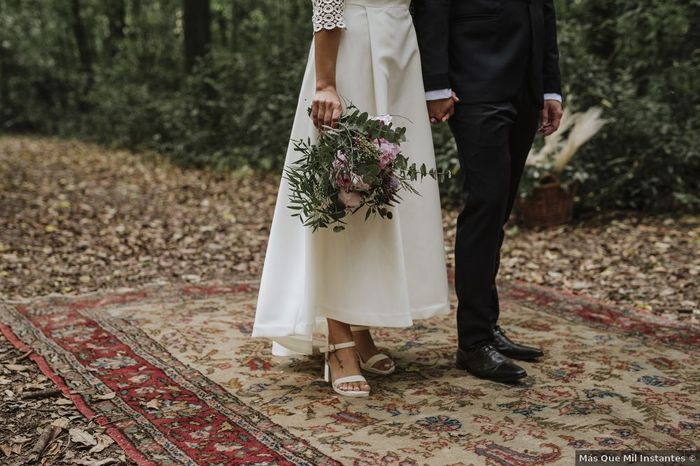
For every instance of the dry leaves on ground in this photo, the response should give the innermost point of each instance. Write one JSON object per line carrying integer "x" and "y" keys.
{"x": 40, "y": 425}
{"x": 651, "y": 263}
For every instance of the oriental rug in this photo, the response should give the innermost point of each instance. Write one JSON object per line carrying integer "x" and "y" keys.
{"x": 172, "y": 374}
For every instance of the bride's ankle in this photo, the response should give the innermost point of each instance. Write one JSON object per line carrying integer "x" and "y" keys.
{"x": 363, "y": 339}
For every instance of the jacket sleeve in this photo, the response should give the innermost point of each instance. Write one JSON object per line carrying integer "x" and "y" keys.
{"x": 551, "y": 71}
{"x": 328, "y": 14}
{"x": 432, "y": 22}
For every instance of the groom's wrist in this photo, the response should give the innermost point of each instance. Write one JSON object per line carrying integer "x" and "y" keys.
{"x": 438, "y": 94}
{"x": 552, "y": 96}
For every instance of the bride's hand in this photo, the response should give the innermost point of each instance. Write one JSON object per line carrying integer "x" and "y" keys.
{"x": 326, "y": 107}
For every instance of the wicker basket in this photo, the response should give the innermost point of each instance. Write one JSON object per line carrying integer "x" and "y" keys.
{"x": 550, "y": 204}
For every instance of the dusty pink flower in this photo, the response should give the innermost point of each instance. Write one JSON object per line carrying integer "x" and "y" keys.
{"x": 350, "y": 199}
{"x": 340, "y": 160}
{"x": 393, "y": 183}
{"x": 343, "y": 180}
{"x": 358, "y": 183}
{"x": 387, "y": 152}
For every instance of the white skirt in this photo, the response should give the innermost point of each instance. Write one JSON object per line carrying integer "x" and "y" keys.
{"x": 379, "y": 273}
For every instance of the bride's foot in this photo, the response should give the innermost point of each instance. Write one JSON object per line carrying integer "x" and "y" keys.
{"x": 371, "y": 359}
{"x": 341, "y": 358}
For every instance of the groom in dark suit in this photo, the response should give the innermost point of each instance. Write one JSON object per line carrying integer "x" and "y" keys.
{"x": 490, "y": 67}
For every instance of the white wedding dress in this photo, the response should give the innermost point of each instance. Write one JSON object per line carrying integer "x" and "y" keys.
{"x": 379, "y": 273}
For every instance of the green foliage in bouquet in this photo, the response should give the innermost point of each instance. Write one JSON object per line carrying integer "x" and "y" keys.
{"x": 357, "y": 164}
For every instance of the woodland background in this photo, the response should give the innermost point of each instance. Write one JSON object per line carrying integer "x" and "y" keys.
{"x": 213, "y": 83}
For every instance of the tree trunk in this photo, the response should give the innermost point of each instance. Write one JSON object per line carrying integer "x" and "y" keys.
{"x": 116, "y": 12}
{"x": 4, "y": 81}
{"x": 197, "y": 25}
{"x": 223, "y": 28}
{"x": 234, "y": 29}
{"x": 81, "y": 39}
{"x": 4, "y": 75}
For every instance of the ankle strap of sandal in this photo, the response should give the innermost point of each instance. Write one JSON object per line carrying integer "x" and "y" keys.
{"x": 337, "y": 346}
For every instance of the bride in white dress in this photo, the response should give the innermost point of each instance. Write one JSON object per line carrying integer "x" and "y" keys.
{"x": 379, "y": 273}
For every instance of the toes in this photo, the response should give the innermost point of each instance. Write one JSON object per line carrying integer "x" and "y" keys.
{"x": 384, "y": 365}
{"x": 354, "y": 387}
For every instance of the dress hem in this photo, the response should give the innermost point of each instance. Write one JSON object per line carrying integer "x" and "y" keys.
{"x": 303, "y": 333}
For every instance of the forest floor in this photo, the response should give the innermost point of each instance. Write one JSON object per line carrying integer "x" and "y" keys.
{"x": 78, "y": 218}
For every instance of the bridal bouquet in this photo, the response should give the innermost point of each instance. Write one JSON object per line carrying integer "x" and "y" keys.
{"x": 358, "y": 164}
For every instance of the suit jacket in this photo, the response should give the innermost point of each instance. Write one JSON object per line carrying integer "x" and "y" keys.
{"x": 485, "y": 50}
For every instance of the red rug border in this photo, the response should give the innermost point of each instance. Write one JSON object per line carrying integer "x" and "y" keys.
{"x": 79, "y": 402}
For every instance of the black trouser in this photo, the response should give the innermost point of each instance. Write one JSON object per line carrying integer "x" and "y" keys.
{"x": 493, "y": 140}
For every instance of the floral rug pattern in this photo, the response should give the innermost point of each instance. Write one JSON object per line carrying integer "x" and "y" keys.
{"x": 172, "y": 371}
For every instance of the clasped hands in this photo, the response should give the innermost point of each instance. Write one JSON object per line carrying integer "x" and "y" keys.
{"x": 441, "y": 110}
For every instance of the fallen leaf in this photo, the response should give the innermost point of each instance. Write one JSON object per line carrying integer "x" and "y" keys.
{"x": 153, "y": 404}
{"x": 17, "y": 367}
{"x": 93, "y": 462}
{"x": 53, "y": 449}
{"x": 103, "y": 441}
{"x": 82, "y": 437}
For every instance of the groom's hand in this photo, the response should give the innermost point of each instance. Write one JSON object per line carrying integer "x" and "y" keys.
{"x": 551, "y": 117}
{"x": 442, "y": 109}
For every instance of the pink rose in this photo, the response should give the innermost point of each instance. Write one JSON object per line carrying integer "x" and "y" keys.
{"x": 350, "y": 199}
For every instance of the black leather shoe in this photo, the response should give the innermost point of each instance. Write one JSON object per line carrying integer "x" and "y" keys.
{"x": 486, "y": 362}
{"x": 509, "y": 348}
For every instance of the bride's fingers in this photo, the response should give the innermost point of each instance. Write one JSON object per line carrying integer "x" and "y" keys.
{"x": 314, "y": 114}
{"x": 449, "y": 114}
{"x": 321, "y": 116}
{"x": 328, "y": 115}
{"x": 336, "y": 116}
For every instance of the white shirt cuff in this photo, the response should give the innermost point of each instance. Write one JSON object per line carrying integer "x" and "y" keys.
{"x": 552, "y": 96}
{"x": 439, "y": 94}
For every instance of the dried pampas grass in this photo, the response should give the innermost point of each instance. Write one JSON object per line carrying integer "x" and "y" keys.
{"x": 578, "y": 128}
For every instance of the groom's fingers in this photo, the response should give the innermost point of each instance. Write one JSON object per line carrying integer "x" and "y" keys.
{"x": 551, "y": 117}
{"x": 544, "y": 117}
{"x": 556, "y": 121}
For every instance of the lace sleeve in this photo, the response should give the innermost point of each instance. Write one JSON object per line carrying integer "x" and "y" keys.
{"x": 328, "y": 14}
